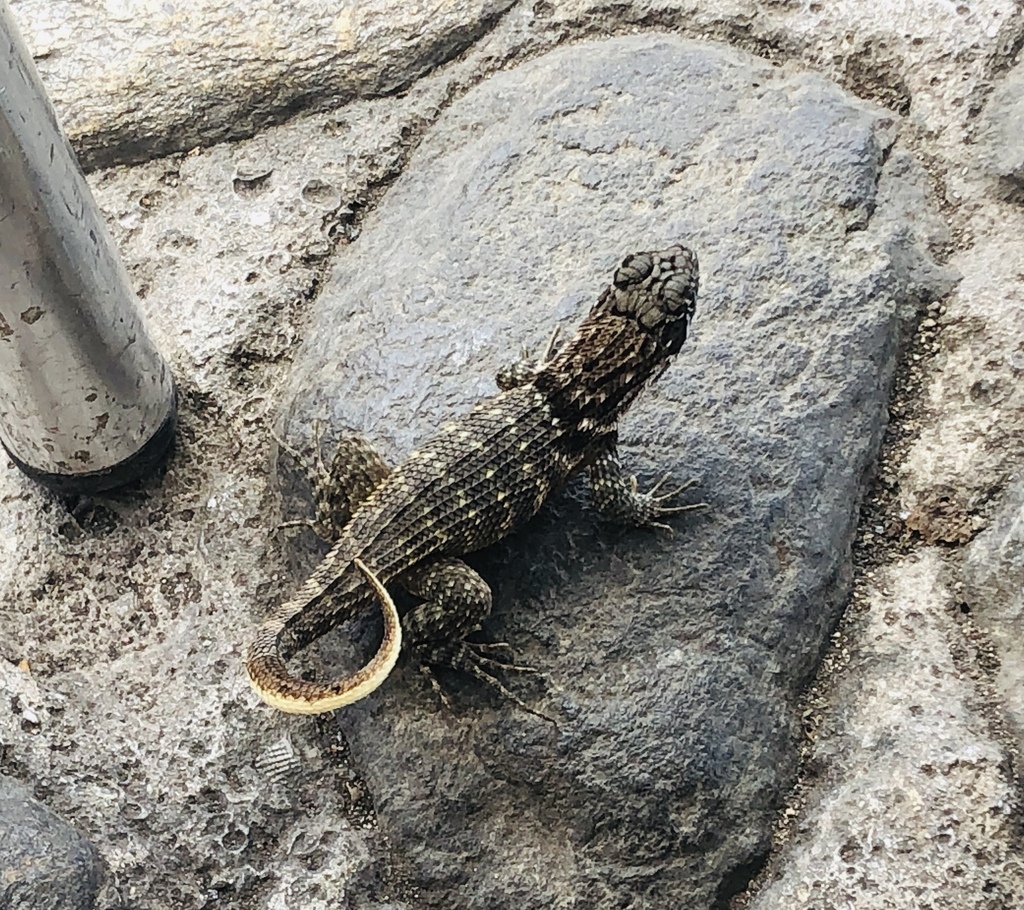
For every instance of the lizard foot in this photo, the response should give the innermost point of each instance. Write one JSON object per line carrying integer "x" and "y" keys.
{"x": 436, "y": 686}
{"x": 616, "y": 496}
{"x": 318, "y": 471}
{"x": 526, "y": 367}
{"x": 300, "y": 523}
{"x": 479, "y": 651}
{"x": 317, "y": 475}
{"x": 466, "y": 659}
{"x": 653, "y": 505}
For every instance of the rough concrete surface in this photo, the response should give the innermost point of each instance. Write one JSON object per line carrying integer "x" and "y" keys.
{"x": 993, "y": 595}
{"x": 124, "y": 708}
{"x": 916, "y": 826}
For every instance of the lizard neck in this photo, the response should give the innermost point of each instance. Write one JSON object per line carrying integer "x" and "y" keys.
{"x": 592, "y": 382}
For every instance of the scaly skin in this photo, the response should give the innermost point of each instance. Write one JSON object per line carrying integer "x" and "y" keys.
{"x": 479, "y": 479}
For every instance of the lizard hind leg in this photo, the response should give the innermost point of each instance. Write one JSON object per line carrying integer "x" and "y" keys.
{"x": 456, "y": 600}
{"x": 354, "y": 472}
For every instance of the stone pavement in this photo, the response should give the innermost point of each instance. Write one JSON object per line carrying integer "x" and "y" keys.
{"x": 808, "y": 697}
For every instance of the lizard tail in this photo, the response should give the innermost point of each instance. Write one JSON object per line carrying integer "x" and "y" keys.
{"x": 272, "y": 681}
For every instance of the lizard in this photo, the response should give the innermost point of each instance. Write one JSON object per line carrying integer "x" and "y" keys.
{"x": 483, "y": 476}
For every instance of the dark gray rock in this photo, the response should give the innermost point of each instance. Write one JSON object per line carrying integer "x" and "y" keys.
{"x": 672, "y": 662}
{"x": 45, "y": 864}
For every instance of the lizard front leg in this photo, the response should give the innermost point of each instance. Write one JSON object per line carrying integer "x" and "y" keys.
{"x": 526, "y": 367}
{"x": 615, "y": 496}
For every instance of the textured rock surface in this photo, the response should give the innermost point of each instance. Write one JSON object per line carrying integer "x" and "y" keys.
{"x": 134, "y": 722}
{"x": 971, "y": 442}
{"x": 904, "y": 771}
{"x": 261, "y": 217}
{"x": 672, "y": 667}
{"x": 993, "y": 593}
{"x": 154, "y": 78}
{"x": 1001, "y": 139}
{"x": 44, "y": 862}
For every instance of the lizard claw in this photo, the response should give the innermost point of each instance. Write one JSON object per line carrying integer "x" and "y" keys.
{"x": 481, "y": 649}
{"x": 318, "y": 434}
{"x": 661, "y": 526}
{"x": 549, "y": 350}
{"x": 300, "y": 458}
{"x": 484, "y": 647}
{"x": 501, "y": 664}
{"x": 527, "y": 366}
{"x": 682, "y": 488}
{"x": 285, "y": 447}
{"x": 689, "y": 507}
{"x": 300, "y": 523}
{"x": 436, "y": 686}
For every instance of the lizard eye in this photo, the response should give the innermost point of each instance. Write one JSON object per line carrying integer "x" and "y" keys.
{"x": 634, "y": 269}
{"x": 680, "y": 293}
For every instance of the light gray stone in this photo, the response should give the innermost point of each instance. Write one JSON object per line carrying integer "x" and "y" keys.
{"x": 993, "y": 595}
{"x": 935, "y": 64}
{"x": 969, "y": 419}
{"x": 134, "y": 81}
{"x": 671, "y": 664}
{"x": 1001, "y": 140}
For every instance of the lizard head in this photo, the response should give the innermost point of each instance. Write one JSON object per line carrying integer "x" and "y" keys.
{"x": 658, "y": 290}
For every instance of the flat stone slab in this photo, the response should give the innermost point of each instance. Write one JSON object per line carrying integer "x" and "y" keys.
{"x": 672, "y": 663}
{"x": 993, "y": 594}
{"x": 911, "y": 770}
{"x": 1002, "y": 132}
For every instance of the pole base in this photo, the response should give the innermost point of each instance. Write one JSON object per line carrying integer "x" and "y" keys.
{"x": 145, "y": 460}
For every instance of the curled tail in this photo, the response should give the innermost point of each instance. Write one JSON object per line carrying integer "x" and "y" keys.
{"x": 280, "y": 689}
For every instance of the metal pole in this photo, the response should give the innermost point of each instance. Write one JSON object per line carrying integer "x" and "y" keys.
{"x": 86, "y": 401}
